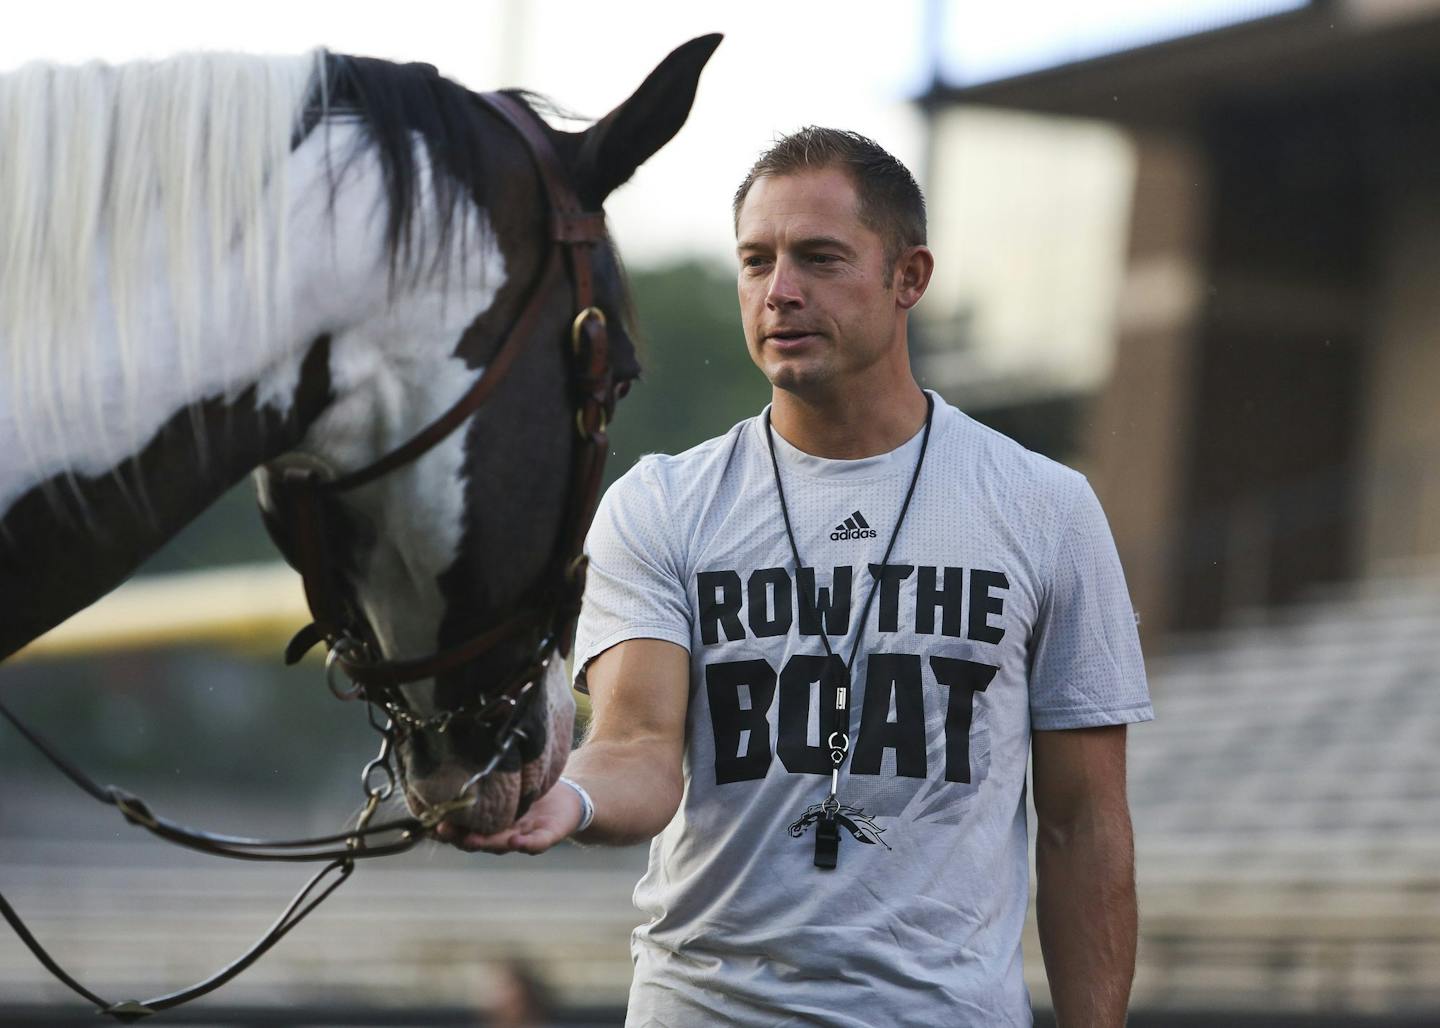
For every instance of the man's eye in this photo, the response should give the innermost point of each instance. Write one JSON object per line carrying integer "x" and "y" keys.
{"x": 821, "y": 258}
{"x": 752, "y": 262}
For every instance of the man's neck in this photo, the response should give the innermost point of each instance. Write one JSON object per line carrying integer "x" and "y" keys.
{"x": 843, "y": 427}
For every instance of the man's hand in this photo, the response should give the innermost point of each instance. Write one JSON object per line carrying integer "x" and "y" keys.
{"x": 549, "y": 820}
{"x": 631, "y": 763}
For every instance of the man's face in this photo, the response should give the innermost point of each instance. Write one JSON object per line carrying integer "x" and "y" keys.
{"x": 817, "y": 305}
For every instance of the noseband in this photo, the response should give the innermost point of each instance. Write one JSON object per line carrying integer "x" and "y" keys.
{"x": 574, "y": 233}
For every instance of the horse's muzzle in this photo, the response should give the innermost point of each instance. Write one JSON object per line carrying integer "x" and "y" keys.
{"x": 437, "y": 772}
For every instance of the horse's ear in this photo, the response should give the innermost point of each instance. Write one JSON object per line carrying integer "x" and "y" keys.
{"x": 625, "y": 138}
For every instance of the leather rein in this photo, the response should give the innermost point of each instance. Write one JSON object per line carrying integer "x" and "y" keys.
{"x": 573, "y": 233}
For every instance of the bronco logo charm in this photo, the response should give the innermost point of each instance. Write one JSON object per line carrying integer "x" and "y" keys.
{"x": 854, "y": 820}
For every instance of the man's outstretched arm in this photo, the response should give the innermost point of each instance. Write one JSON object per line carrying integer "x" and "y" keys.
{"x": 630, "y": 762}
{"x": 1085, "y": 866}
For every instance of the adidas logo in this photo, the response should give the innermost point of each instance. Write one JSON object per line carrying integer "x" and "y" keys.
{"x": 853, "y": 527}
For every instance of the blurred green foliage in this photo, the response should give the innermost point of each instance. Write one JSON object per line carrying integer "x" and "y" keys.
{"x": 698, "y": 379}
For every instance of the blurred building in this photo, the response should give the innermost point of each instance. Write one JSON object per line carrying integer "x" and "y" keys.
{"x": 1197, "y": 259}
{"x": 1201, "y": 269}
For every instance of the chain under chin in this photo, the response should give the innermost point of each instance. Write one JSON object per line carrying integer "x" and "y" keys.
{"x": 394, "y": 720}
{"x": 493, "y": 709}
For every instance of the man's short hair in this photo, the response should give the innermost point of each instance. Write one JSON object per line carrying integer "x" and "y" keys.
{"x": 891, "y": 204}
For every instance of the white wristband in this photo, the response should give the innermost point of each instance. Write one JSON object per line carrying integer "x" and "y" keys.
{"x": 587, "y": 805}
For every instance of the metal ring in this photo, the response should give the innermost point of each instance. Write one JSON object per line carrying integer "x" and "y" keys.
{"x": 578, "y": 325}
{"x": 338, "y": 653}
{"x": 580, "y": 422}
{"x": 387, "y": 788}
{"x": 842, "y": 745}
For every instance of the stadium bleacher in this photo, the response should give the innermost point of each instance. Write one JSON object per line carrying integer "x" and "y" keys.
{"x": 1286, "y": 804}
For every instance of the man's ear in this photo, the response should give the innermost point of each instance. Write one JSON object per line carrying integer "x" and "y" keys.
{"x": 912, "y": 275}
{"x": 620, "y": 142}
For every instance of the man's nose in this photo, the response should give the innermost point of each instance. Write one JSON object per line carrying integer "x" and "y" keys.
{"x": 784, "y": 288}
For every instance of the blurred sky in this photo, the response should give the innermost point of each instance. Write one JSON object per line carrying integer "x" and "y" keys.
{"x": 783, "y": 64}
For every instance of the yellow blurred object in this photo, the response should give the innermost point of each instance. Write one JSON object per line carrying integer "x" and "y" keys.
{"x": 250, "y": 607}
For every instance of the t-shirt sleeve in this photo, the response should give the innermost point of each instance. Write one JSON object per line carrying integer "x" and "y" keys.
{"x": 635, "y": 588}
{"x": 1086, "y": 669}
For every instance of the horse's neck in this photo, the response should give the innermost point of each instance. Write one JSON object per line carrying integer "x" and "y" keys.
{"x": 387, "y": 369}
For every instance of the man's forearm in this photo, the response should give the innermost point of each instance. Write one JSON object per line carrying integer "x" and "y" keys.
{"x": 634, "y": 791}
{"x": 1085, "y": 901}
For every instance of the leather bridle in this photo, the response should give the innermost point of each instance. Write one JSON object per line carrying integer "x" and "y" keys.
{"x": 574, "y": 233}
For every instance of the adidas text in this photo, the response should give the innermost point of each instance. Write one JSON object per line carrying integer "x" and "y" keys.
{"x": 853, "y": 527}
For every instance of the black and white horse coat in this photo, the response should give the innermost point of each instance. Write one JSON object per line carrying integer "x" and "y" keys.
{"x": 215, "y": 263}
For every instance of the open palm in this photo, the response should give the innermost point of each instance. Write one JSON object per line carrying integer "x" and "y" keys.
{"x": 550, "y": 819}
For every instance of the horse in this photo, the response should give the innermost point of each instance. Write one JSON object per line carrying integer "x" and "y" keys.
{"x": 393, "y": 302}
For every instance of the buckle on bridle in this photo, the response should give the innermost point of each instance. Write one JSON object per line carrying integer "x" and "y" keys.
{"x": 584, "y": 431}
{"x": 577, "y": 327}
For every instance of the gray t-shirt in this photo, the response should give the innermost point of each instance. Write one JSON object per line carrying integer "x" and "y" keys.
{"x": 1002, "y": 608}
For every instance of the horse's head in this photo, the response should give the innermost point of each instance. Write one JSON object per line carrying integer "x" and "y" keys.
{"x": 438, "y": 503}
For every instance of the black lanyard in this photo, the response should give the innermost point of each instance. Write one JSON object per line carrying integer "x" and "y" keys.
{"x": 827, "y": 829}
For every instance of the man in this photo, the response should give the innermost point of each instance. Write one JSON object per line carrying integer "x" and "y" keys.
{"x": 831, "y": 743}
